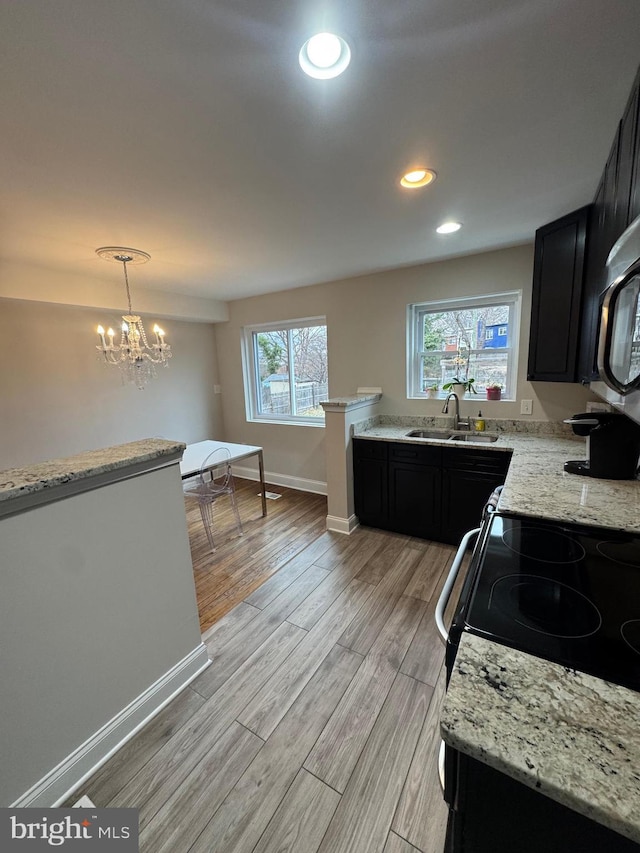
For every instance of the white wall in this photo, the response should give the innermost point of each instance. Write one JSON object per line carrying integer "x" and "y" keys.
{"x": 98, "y": 605}
{"x": 366, "y": 319}
{"x": 58, "y": 399}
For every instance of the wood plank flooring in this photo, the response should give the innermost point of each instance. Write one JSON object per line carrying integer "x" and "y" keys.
{"x": 315, "y": 729}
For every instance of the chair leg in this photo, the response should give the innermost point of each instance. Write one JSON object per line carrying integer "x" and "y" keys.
{"x": 232, "y": 495}
{"x": 206, "y": 511}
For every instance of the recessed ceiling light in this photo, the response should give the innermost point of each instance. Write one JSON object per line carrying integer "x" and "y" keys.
{"x": 418, "y": 178}
{"x": 324, "y": 56}
{"x": 449, "y": 227}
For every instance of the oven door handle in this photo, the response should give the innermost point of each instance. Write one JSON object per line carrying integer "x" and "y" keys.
{"x": 441, "y": 606}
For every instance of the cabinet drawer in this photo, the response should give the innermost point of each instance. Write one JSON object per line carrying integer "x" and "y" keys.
{"x": 420, "y": 453}
{"x": 364, "y": 448}
{"x": 482, "y": 461}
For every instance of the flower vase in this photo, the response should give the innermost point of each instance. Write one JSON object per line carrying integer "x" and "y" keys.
{"x": 432, "y": 393}
{"x": 494, "y": 393}
{"x": 459, "y": 389}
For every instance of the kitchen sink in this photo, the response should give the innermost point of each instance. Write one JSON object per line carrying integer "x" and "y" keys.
{"x": 474, "y": 436}
{"x": 430, "y": 433}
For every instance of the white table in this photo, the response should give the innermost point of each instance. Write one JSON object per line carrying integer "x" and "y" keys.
{"x": 195, "y": 454}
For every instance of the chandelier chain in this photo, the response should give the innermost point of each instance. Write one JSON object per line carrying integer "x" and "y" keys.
{"x": 126, "y": 280}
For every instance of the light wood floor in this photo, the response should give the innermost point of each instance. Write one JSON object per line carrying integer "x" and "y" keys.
{"x": 316, "y": 726}
{"x": 240, "y": 564}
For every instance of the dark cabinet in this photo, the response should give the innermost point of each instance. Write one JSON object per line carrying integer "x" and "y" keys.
{"x": 493, "y": 813}
{"x": 570, "y": 263}
{"x": 429, "y": 491}
{"x": 625, "y": 170}
{"x": 634, "y": 189}
{"x": 414, "y": 489}
{"x": 616, "y": 204}
{"x": 370, "y": 482}
{"x": 593, "y": 285}
{"x": 557, "y": 292}
{"x": 468, "y": 478}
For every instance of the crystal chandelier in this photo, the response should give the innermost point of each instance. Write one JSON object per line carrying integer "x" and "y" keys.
{"x": 133, "y": 355}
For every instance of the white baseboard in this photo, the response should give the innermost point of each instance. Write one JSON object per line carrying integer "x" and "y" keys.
{"x": 59, "y": 783}
{"x": 342, "y": 525}
{"x": 302, "y": 484}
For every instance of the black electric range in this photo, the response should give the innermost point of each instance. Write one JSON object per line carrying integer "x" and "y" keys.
{"x": 564, "y": 592}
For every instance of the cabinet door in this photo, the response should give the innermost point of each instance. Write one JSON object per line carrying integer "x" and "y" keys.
{"x": 634, "y": 193}
{"x": 370, "y": 482}
{"x": 464, "y": 494}
{"x": 594, "y": 282}
{"x": 557, "y": 291}
{"x": 626, "y": 154}
{"x": 415, "y": 499}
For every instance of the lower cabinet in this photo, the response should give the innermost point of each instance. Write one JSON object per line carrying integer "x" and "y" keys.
{"x": 468, "y": 478}
{"x": 493, "y": 813}
{"x": 371, "y": 480}
{"x": 415, "y": 490}
{"x": 429, "y": 491}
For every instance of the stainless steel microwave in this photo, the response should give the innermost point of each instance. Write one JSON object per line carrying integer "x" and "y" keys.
{"x": 619, "y": 336}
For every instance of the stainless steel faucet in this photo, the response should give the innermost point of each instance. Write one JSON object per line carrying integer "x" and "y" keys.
{"x": 458, "y": 422}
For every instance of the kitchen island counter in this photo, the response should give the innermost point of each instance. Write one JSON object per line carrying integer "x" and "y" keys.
{"x": 568, "y": 735}
{"x": 536, "y": 484}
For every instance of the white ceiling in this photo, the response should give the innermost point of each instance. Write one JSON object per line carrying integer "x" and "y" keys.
{"x": 186, "y": 128}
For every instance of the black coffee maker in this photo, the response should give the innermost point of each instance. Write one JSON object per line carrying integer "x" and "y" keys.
{"x": 613, "y": 446}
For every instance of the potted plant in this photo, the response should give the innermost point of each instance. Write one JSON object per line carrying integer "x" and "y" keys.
{"x": 460, "y": 386}
{"x": 432, "y": 391}
{"x": 494, "y": 391}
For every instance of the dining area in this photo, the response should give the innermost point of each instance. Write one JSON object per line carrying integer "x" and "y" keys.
{"x": 207, "y": 475}
{"x": 235, "y": 545}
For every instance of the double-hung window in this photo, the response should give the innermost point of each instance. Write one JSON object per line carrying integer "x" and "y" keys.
{"x": 285, "y": 371}
{"x": 463, "y": 339}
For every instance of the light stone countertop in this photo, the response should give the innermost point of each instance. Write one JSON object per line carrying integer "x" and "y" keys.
{"x": 351, "y": 401}
{"x": 571, "y": 736}
{"x": 536, "y": 484}
{"x": 19, "y": 482}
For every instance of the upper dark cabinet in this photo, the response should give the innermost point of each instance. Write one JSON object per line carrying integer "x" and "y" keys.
{"x": 556, "y": 301}
{"x": 626, "y": 161}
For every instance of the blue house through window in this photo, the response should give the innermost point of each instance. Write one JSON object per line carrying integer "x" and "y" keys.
{"x": 496, "y": 336}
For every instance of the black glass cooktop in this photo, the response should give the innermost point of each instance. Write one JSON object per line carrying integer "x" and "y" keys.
{"x": 567, "y": 593}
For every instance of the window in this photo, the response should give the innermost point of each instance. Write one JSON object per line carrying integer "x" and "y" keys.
{"x": 285, "y": 371}
{"x": 474, "y": 338}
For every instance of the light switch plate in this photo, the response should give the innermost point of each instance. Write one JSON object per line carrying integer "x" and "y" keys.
{"x": 526, "y": 407}
{"x": 217, "y": 389}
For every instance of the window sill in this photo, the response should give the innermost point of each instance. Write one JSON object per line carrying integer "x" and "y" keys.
{"x": 283, "y": 422}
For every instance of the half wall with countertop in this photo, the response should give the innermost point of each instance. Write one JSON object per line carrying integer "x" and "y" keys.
{"x": 98, "y": 617}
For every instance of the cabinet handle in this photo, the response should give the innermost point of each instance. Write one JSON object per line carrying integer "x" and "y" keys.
{"x": 441, "y": 606}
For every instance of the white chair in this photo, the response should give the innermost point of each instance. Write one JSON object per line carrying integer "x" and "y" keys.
{"x": 214, "y": 481}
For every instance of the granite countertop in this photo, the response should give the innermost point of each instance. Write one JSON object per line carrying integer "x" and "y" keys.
{"x": 569, "y": 735}
{"x": 18, "y": 482}
{"x": 536, "y": 484}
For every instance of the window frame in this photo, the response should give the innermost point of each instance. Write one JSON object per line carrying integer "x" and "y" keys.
{"x": 415, "y": 312}
{"x": 251, "y": 371}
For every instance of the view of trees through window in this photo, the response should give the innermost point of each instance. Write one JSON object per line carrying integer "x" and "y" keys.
{"x": 291, "y": 371}
{"x": 471, "y": 343}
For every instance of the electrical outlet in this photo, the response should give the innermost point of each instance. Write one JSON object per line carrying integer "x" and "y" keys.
{"x": 526, "y": 407}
